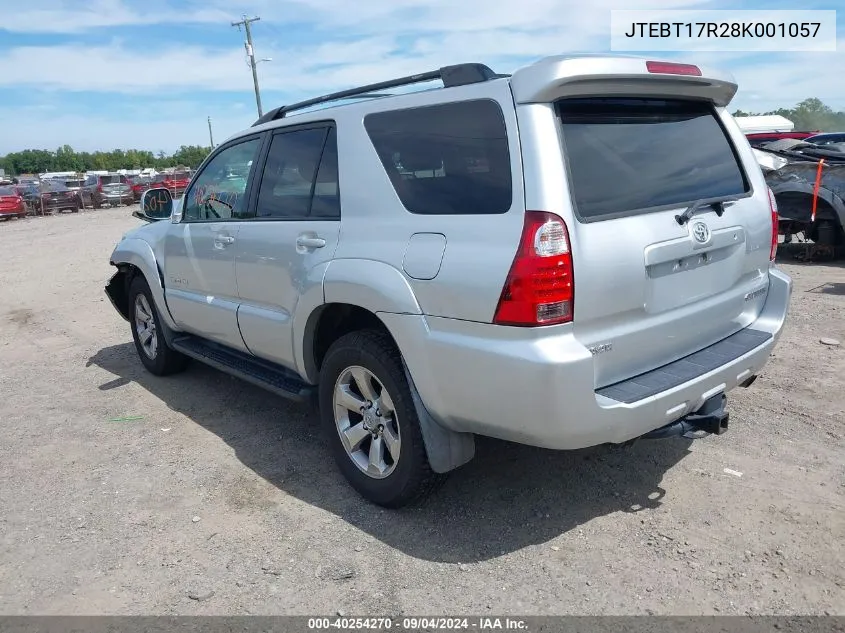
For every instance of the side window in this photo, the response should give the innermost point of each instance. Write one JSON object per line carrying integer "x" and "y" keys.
{"x": 446, "y": 159}
{"x": 288, "y": 179}
{"x": 326, "y": 202}
{"x": 218, "y": 191}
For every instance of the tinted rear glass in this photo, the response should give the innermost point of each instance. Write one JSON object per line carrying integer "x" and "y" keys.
{"x": 446, "y": 159}
{"x": 110, "y": 180}
{"x": 633, "y": 155}
{"x": 7, "y": 191}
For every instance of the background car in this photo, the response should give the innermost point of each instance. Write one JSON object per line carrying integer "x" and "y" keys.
{"x": 828, "y": 138}
{"x": 756, "y": 139}
{"x": 176, "y": 182}
{"x": 29, "y": 191}
{"x": 55, "y": 196}
{"x": 12, "y": 205}
{"x": 106, "y": 190}
{"x": 139, "y": 185}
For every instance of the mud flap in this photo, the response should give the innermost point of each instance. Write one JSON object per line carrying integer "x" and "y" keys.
{"x": 447, "y": 450}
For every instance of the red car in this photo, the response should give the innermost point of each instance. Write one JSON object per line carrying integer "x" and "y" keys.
{"x": 139, "y": 185}
{"x": 759, "y": 138}
{"x": 176, "y": 182}
{"x": 11, "y": 204}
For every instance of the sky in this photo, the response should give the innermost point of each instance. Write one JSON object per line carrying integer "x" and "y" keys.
{"x": 146, "y": 74}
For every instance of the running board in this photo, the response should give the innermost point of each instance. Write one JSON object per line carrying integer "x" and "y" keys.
{"x": 261, "y": 373}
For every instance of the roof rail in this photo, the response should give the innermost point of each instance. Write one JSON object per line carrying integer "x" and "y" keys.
{"x": 457, "y": 75}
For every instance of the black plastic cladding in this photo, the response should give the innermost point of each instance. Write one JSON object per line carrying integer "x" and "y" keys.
{"x": 451, "y": 76}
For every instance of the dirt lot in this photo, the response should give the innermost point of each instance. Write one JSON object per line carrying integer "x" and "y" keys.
{"x": 221, "y": 499}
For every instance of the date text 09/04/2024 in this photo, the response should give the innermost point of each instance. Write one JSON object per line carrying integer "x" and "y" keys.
{"x": 723, "y": 29}
{"x": 410, "y": 623}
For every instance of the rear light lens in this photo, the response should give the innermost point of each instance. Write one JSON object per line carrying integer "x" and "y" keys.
{"x": 671, "y": 68}
{"x": 773, "y": 205}
{"x": 539, "y": 289}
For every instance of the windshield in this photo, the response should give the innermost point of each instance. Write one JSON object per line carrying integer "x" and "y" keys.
{"x": 634, "y": 155}
{"x": 7, "y": 191}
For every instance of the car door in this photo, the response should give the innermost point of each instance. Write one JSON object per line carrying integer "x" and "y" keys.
{"x": 199, "y": 260}
{"x": 293, "y": 233}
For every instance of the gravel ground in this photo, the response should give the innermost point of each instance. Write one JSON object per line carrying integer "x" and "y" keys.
{"x": 219, "y": 498}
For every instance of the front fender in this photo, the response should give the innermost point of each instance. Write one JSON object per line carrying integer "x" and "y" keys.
{"x": 139, "y": 254}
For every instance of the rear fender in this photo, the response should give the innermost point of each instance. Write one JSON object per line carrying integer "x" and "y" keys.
{"x": 139, "y": 254}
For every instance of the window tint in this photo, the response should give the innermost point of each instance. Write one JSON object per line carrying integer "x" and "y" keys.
{"x": 629, "y": 155}
{"x": 218, "y": 191}
{"x": 446, "y": 159}
{"x": 326, "y": 201}
{"x": 286, "y": 185}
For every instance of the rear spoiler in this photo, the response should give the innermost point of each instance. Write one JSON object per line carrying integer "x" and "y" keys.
{"x": 604, "y": 76}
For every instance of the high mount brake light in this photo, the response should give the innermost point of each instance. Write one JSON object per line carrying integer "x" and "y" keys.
{"x": 539, "y": 289}
{"x": 672, "y": 68}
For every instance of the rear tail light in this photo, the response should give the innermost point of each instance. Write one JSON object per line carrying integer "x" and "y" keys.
{"x": 773, "y": 205}
{"x": 673, "y": 68}
{"x": 539, "y": 289}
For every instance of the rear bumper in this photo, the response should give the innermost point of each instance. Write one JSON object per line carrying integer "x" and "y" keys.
{"x": 534, "y": 388}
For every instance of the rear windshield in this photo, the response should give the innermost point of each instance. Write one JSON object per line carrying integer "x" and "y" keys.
{"x": 74, "y": 183}
{"x": 7, "y": 191}
{"x": 111, "y": 180}
{"x": 635, "y": 155}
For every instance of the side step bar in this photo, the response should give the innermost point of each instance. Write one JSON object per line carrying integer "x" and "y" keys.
{"x": 269, "y": 376}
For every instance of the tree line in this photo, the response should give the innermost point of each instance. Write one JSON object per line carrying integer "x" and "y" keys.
{"x": 808, "y": 116}
{"x": 65, "y": 158}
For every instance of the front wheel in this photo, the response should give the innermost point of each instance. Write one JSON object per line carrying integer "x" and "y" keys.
{"x": 371, "y": 421}
{"x": 150, "y": 344}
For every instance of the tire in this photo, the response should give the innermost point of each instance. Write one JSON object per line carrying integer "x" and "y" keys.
{"x": 154, "y": 353}
{"x": 370, "y": 355}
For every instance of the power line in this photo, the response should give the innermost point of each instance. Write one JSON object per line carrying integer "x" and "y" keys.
{"x": 250, "y": 53}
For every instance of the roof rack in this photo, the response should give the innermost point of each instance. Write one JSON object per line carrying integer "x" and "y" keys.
{"x": 457, "y": 75}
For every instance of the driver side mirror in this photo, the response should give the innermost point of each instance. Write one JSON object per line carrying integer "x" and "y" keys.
{"x": 156, "y": 204}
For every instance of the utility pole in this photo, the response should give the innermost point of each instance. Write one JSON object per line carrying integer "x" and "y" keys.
{"x": 210, "y": 135}
{"x": 250, "y": 52}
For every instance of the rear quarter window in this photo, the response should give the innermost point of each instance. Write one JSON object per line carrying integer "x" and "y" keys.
{"x": 629, "y": 156}
{"x": 446, "y": 159}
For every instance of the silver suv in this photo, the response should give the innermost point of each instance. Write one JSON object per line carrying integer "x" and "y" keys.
{"x": 576, "y": 254}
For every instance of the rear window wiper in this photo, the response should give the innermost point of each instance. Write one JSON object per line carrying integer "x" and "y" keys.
{"x": 717, "y": 205}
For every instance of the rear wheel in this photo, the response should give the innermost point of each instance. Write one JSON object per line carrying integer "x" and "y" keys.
{"x": 371, "y": 421}
{"x": 150, "y": 344}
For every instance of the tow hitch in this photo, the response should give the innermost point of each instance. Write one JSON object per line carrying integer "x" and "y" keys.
{"x": 710, "y": 419}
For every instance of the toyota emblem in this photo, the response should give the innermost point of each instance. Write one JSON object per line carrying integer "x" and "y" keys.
{"x": 701, "y": 232}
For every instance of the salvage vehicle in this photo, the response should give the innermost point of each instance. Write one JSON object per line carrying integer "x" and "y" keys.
{"x": 505, "y": 256}
{"x": 12, "y": 204}
{"x": 826, "y": 138}
{"x": 176, "y": 182}
{"x": 109, "y": 190}
{"x": 808, "y": 183}
{"x": 31, "y": 195}
{"x": 55, "y": 196}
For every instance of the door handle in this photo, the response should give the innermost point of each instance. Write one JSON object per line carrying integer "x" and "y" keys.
{"x": 224, "y": 239}
{"x": 303, "y": 241}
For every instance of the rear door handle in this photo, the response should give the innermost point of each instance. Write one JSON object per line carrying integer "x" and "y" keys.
{"x": 304, "y": 241}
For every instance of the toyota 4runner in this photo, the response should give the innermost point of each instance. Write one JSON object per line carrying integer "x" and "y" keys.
{"x": 576, "y": 254}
